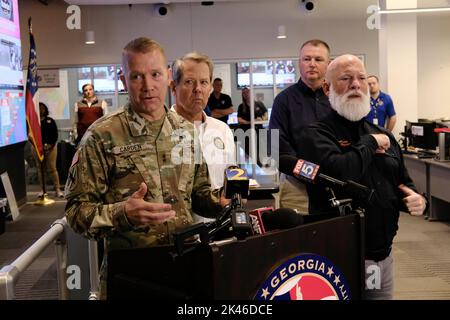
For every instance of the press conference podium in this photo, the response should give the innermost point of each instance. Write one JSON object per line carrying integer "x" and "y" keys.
{"x": 235, "y": 269}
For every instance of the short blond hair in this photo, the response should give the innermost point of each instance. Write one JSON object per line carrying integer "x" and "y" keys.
{"x": 316, "y": 43}
{"x": 141, "y": 45}
{"x": 178, "y": 65}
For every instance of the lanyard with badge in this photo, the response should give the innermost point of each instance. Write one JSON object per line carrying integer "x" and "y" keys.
{"x": 375, "y": 104}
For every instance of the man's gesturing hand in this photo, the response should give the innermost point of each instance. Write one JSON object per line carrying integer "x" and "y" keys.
{"x": 141, "y": 212}
{"x": 414, "y": 202}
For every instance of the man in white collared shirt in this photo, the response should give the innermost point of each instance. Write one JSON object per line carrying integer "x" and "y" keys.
{"x": 191, "y": 86}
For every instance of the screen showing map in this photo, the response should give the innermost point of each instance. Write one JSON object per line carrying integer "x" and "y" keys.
{"x": 13, "y": 127}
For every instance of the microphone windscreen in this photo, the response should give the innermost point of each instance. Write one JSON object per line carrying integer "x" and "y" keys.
{"x": 236, "y": 182}
{"x": 299, "y": 168}
{"x": 286, "y": 164}
{"x": 283, "y": 218}
{"x": 256, "y": 217}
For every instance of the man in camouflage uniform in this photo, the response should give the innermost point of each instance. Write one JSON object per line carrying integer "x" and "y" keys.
{"x": 126, "y": 182}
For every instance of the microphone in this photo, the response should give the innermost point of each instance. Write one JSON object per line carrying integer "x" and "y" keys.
{"x": 236, "y": 182}
{"x": 256, "y": 219}
{"x": 283, "y": 218}
{"x": 233, "y": 217}
{"x": 309, "y": 172}
{"x": 235, "y": 187}
{"x": 287, "y": 218}
{"x": 305, "y": 170}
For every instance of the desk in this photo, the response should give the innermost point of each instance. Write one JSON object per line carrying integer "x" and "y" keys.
{"x": 439, "y": 189}
{"x": 433, "y": 178}
{"x": 418, "y": 170}
{"x": 268, "y": 181}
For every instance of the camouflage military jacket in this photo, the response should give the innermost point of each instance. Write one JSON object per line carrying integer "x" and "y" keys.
{"x": 117, "y": 154}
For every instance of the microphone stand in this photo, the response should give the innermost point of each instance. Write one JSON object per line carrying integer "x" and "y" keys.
{"x": 344, "y": 205}
{"x": 206, "y": 231}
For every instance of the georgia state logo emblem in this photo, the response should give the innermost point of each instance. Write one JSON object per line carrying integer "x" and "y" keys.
{"x": 305, "y": 277}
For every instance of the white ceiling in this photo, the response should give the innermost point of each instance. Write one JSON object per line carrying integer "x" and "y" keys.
{"x": 119, "y": 2}
{"x": 421, "y": 3}
{"x": 324, "y": 9}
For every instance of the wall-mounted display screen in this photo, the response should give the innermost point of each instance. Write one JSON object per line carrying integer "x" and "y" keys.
{"x": 263, "y": 73}
{"x": 103, "y": 77}
{"x": 13, "y": 127}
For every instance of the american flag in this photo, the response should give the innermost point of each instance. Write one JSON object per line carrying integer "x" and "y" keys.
{"x": 34, "y": 127}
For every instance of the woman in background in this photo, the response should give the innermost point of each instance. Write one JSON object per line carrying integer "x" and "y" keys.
{"x": 49, "y": 132}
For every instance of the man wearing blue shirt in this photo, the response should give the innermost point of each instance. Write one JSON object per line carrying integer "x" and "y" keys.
{"x": 382, "y": 110}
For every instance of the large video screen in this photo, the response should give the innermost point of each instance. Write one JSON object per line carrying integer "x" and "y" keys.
{"x": 263, "y": 73}
{"x": 13, "y": 127}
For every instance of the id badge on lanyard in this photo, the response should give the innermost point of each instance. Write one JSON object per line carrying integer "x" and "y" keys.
{"x": 374, "y": 106}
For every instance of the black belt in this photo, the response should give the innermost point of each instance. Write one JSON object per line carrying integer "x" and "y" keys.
{"x": 378, "y": 255}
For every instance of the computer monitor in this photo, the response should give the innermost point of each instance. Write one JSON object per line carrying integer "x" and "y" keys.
{"x": 233, "y": 118}
{"x": 422, "y": 135}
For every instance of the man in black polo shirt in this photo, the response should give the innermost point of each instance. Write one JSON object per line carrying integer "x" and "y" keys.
{"x": 295, "y": 108}
{"x": 220, "y": 103}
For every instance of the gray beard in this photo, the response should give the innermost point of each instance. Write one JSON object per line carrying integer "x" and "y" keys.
{"x": 350, "y": 110}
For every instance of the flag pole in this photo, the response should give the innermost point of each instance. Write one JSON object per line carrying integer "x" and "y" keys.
{"x": 43, "y": 200}
{"x": 33, "y": 120}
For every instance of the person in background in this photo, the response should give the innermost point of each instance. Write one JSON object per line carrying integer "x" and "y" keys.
{"x": 347, "y": 147}
{"x": 87, "y": 111}
{"x": 382, "y": 110}
{"x": 191, "y": 85}
{"x": 244, "y": 111}
{"x": 127, "y": 183}
{"x": 220, "y": 103}
{"x": 207, "y": 111}
{"x": 244, "y": 117}
{"x": 296, "y": 107}
{"x": 49, "y": 132}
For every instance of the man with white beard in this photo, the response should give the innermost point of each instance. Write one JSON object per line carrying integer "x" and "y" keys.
{"x": 348, "y": 147}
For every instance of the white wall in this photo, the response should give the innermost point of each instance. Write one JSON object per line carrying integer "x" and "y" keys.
{"x": 225, "y": 31}
{"x": 398, "y": 61}
{"x": 434, "y": 66}
{"x": 232, "y": 31}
